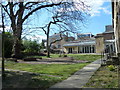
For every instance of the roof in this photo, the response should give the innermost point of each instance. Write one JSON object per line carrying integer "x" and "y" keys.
{"x": 57, "y": 35}
{"x": 101, "y": 34}
{"x": 109, "y": 32}
{"x": 83, "y": 33}
{"x": 107, "y": 41}
{"x": 80, "y": 43}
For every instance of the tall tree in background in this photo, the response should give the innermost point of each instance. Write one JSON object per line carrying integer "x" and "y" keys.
{"x": 65, "y": 18}
{"x": 19, "y": 12}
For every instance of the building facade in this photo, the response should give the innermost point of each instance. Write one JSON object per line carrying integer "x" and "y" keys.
{"x": 88, "y": 43}
{"x": 59, "y": 44}
{"x": 0, "y": 44}
{"x": 105, "y": 42}
{"x": 85, "y": 43}
{"x": 116, "y": 24}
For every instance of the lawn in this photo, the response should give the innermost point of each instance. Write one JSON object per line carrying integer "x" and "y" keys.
{"x": 51, "y": 73}
{"x": 104, "y": 78}
{"x": 87, "y": 57}
{"x": 59, "y": 72}
{"x": 25, "y": 80}
{"x": 51, "y": 69}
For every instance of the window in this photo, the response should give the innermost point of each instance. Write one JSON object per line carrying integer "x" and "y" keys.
{"x": 107, "y": 49}
{"x": 69, "y": 50}
{"x": 59, "y": 46}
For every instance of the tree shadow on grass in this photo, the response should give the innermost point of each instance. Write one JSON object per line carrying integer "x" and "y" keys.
{"x": 26, "y": 80}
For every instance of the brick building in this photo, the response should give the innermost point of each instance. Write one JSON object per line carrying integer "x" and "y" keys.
{"x": 88, "y": 43}
{"x": 105, "y": 42}
{"x": 59, "y": 44}
{"x": 85, "y": 43}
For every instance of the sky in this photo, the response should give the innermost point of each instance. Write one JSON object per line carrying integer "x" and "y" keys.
{"x": 101, "y": 15}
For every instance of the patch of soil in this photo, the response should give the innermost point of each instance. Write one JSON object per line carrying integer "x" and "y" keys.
{"x": 54, "y": 61}
{"x": 31, "y": 59}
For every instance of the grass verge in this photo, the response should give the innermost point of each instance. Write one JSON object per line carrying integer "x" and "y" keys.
{"x": 59, "y": 72}
{"x": 104, "y": 78}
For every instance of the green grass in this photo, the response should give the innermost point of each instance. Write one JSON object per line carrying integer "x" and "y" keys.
{"x": 85, "y": 57}
{"x": 25, "y": 80}
{"x": 59, "y": 72}
{"x": 51, "y": 69}
{"x": 89, "y": 58}
{"x": 104, "y": 78}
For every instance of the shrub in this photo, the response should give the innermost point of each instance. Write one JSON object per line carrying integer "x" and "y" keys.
{"x": 60, "y": 56}
{"x": 8, "y": 44}
{"x": 65, "y": 56}
{"x": 31, "y": 47}
{"x": 111, "y": 67}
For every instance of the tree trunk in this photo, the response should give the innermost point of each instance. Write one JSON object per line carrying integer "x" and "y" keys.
{"x": 17, "y": 48}
{"x": 17, "y": 42}
{"x": 48, "y": 47}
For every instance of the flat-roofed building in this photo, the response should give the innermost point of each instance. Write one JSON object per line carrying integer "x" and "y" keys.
{"x": 88, "y": 43}
{"x": 87, "y": 46}
{"x": 59, "y": 44}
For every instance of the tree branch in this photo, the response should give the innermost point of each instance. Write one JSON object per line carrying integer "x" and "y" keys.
{"x": 44, "y": 30}
{"x": 5, "y": 9}
{"x": 56, "y": 40}
{"x": 40, "y": 7}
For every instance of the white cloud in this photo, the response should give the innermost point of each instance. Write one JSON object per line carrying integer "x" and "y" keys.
{"x": 97, "y": 6}
{"x": 95, "y": 9}
{"x": 105, "y": 9}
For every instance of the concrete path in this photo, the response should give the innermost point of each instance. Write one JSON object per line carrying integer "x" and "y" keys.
{"x": 80, "y": 78}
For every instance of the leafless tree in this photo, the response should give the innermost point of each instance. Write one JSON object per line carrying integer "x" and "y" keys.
{"x": 65, "y": 19}
{"x": 20, "y": 11}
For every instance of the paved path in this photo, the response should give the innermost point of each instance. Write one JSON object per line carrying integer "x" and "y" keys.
{"x": 80, "y": 78}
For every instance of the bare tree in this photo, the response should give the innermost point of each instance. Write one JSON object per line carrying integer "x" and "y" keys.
{"x": 19, "y": 12}
{"x": 65, "y": 19}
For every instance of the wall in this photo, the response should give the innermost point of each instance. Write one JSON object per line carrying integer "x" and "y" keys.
{"x": 74, "y": 49}
{"x": 116, "y": 22}
{"x": 0, "y": 44}
{"x": 99, "y": 44}
{"x": 108, "y": 36}
{"x": 60, "y": 43}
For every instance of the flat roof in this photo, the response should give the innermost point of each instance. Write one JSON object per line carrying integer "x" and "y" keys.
{"x": 113, "y": 40}
{"x": 80, "y": 43}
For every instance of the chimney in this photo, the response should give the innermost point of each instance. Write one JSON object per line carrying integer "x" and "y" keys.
{"x": 67, "y": 36}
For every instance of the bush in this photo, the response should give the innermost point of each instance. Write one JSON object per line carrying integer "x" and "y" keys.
{"x": 65, "y": 56}
{"x": 31, "y": 47}
{"x": 111, "y": 67}
{"x": 8, "y": 44}
{"x": 60, "y": 55}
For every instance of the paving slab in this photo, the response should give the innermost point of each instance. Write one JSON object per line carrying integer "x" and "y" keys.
{"x": 80, "y": 78}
